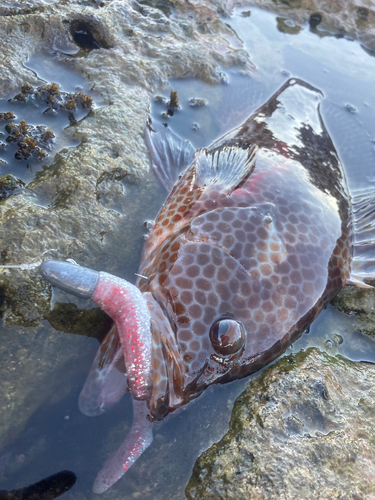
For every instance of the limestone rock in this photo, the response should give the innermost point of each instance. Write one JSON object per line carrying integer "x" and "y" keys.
{"x": 361, "y": 302}
{"x": 304, "y": 429}
{"x": 354, "y": 19}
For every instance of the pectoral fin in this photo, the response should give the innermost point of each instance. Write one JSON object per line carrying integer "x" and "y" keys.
{"x": 106, "y": 382}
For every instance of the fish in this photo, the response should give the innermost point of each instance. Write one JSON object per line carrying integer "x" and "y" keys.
{"x": 256, "y": 237}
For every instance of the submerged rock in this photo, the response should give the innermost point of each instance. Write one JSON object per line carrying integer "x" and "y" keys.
{"x": 361, "y": 302}
{"x": 304, "y": 429}
{"x": 10, "y": 185}
{"x": 353, "y": 19}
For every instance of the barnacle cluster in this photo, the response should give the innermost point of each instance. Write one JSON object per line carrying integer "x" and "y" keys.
{"x": 172, "y": 104}
{"x": 55, "y": 98}
{"x": 36, "y": 141}
{"x": 31, "y": 140}
{"x": 4, "y": 117}
{"x": 173, "y": 100}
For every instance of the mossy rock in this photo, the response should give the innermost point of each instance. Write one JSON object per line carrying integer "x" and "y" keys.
{"x": 67, "y": 318}
{"x": 304, "y": 429}
{"x": 361, "y": 302}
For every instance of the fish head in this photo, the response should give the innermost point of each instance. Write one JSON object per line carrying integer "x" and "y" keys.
{"x": 185, "y": 363}
{"x": 205, "y": 315}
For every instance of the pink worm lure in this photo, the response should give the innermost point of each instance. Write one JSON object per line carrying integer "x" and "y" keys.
{"x": 124, "y": 303}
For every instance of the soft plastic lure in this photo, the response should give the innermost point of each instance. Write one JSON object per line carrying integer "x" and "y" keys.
{"x": 254, "y": 239}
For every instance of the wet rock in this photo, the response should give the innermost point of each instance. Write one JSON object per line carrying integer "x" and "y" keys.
{"x": 70, "y": 319}
{"x": 195, "y": 102}
{"x": 304, "y": 429}
{"x": 69, "y": 196}
{"x": 361, "y": 302}
{"x": 287, "y": 26}
{"x": 10, "y": 185}
{"x": 24, "y": 301}
{"x": 353, "y": 19}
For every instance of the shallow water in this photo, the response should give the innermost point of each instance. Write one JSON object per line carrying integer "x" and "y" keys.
{"x": 47, "y": 69}
{"x": 57, "y": 436}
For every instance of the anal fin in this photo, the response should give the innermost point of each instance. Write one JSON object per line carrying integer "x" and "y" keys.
{"x": 106, "y": 382}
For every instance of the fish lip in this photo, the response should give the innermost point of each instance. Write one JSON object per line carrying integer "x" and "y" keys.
{"x": 69, "y": 277}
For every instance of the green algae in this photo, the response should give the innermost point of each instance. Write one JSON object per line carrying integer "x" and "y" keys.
{"x": 10, "y": 185}
{"x": 24, "y": 301}
{"x": 361, "y": 303}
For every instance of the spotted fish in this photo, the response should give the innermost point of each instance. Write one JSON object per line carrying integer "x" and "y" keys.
{"x": 254, "y": 239}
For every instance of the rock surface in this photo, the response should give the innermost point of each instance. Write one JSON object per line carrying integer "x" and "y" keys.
{"x": 304, "y": 429}
{"x": 354, "y": 19}
{"x": 361, "y": 302}
{"x": 88, "y": 203}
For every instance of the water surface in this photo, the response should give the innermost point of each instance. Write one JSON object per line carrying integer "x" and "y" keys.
{"x": 57, "y": 436}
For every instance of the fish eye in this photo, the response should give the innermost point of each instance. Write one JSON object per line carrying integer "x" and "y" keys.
{"x": 227, "y": 336}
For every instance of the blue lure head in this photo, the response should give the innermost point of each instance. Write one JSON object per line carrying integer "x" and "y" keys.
{"x": 69, "y": 277}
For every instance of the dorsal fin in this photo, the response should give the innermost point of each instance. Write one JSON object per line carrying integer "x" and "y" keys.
{"x": 212, "y": 176}
{"x": 227, "y": 166}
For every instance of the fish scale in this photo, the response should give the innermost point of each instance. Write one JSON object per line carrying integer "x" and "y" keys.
{"x": 268, "y": 298}
{"x": 282, "y": 240}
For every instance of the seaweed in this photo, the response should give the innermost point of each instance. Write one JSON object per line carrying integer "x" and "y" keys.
{"x": 173, "y": 100}
{"x": 31, "y": 140}
{"x": 7, "y": 116}
{"x": 52, "y": 95}
{"x": 37, "y": 140}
